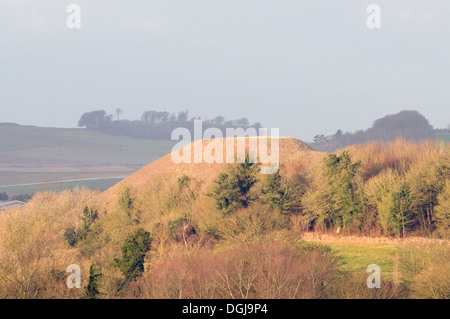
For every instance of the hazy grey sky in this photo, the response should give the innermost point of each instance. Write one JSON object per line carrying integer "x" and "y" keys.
{"x": 306, "y": 67}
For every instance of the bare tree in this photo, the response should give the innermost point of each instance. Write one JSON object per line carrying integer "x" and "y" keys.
{"x": 119, "y": 111}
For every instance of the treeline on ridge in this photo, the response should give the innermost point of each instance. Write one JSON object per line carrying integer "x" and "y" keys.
{"x": 155, "y": 124}
{"x": 410, "y": 125}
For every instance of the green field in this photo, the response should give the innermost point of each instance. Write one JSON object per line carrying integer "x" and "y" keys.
{"x": 30, "y": 154}
{"x": 396, "y": 261}
{"x": 357, "y": 256}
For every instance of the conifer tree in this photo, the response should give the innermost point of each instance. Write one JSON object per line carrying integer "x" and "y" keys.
{"x": 133, "y": 254}
{"x": 234, "y": 188}
{"x": 91, "y": 291}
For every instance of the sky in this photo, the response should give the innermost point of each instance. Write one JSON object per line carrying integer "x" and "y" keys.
{"x": 306, "y": 67}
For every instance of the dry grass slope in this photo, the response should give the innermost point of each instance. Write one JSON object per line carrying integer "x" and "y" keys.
{"x": 292, "y": 152}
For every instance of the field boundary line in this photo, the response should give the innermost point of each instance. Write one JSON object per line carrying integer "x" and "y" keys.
{"x": 312, "y": 236}
{"x": 64, "y": 181}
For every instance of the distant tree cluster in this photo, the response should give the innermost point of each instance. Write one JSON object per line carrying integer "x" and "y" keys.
{"x": 95, "y": 120}
{"x": 322, "y": 138}
{"x": 155, "y": 124}
{"x": 410, "y": 125}
{"x": 156, "y": 117}
{"x": 21, "y": 197}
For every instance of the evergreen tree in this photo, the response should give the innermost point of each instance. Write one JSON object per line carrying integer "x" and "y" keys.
{"x": 89, "y": 216}
{"x": 71, "y": 236}
{"x": 91, "y": 291}
{"x": 233, "y": 188}
{"x": 133, "y": 254}
{"x": 341, "y": 172}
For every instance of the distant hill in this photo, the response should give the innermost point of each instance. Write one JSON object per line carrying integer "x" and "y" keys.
{"x": 30, "y": 154}
{"x": 410, "y": 125}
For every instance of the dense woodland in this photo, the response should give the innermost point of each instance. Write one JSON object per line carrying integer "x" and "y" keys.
{"x": 399, "y": 189}
{"x": 241, "y": 237}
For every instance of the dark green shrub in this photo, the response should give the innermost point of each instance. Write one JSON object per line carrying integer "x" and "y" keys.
{"x": 234, "y": 188}
{"x": 91, "y": 291}
{"x": 133, "y": 254}
{"x": 71, "y": 236}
